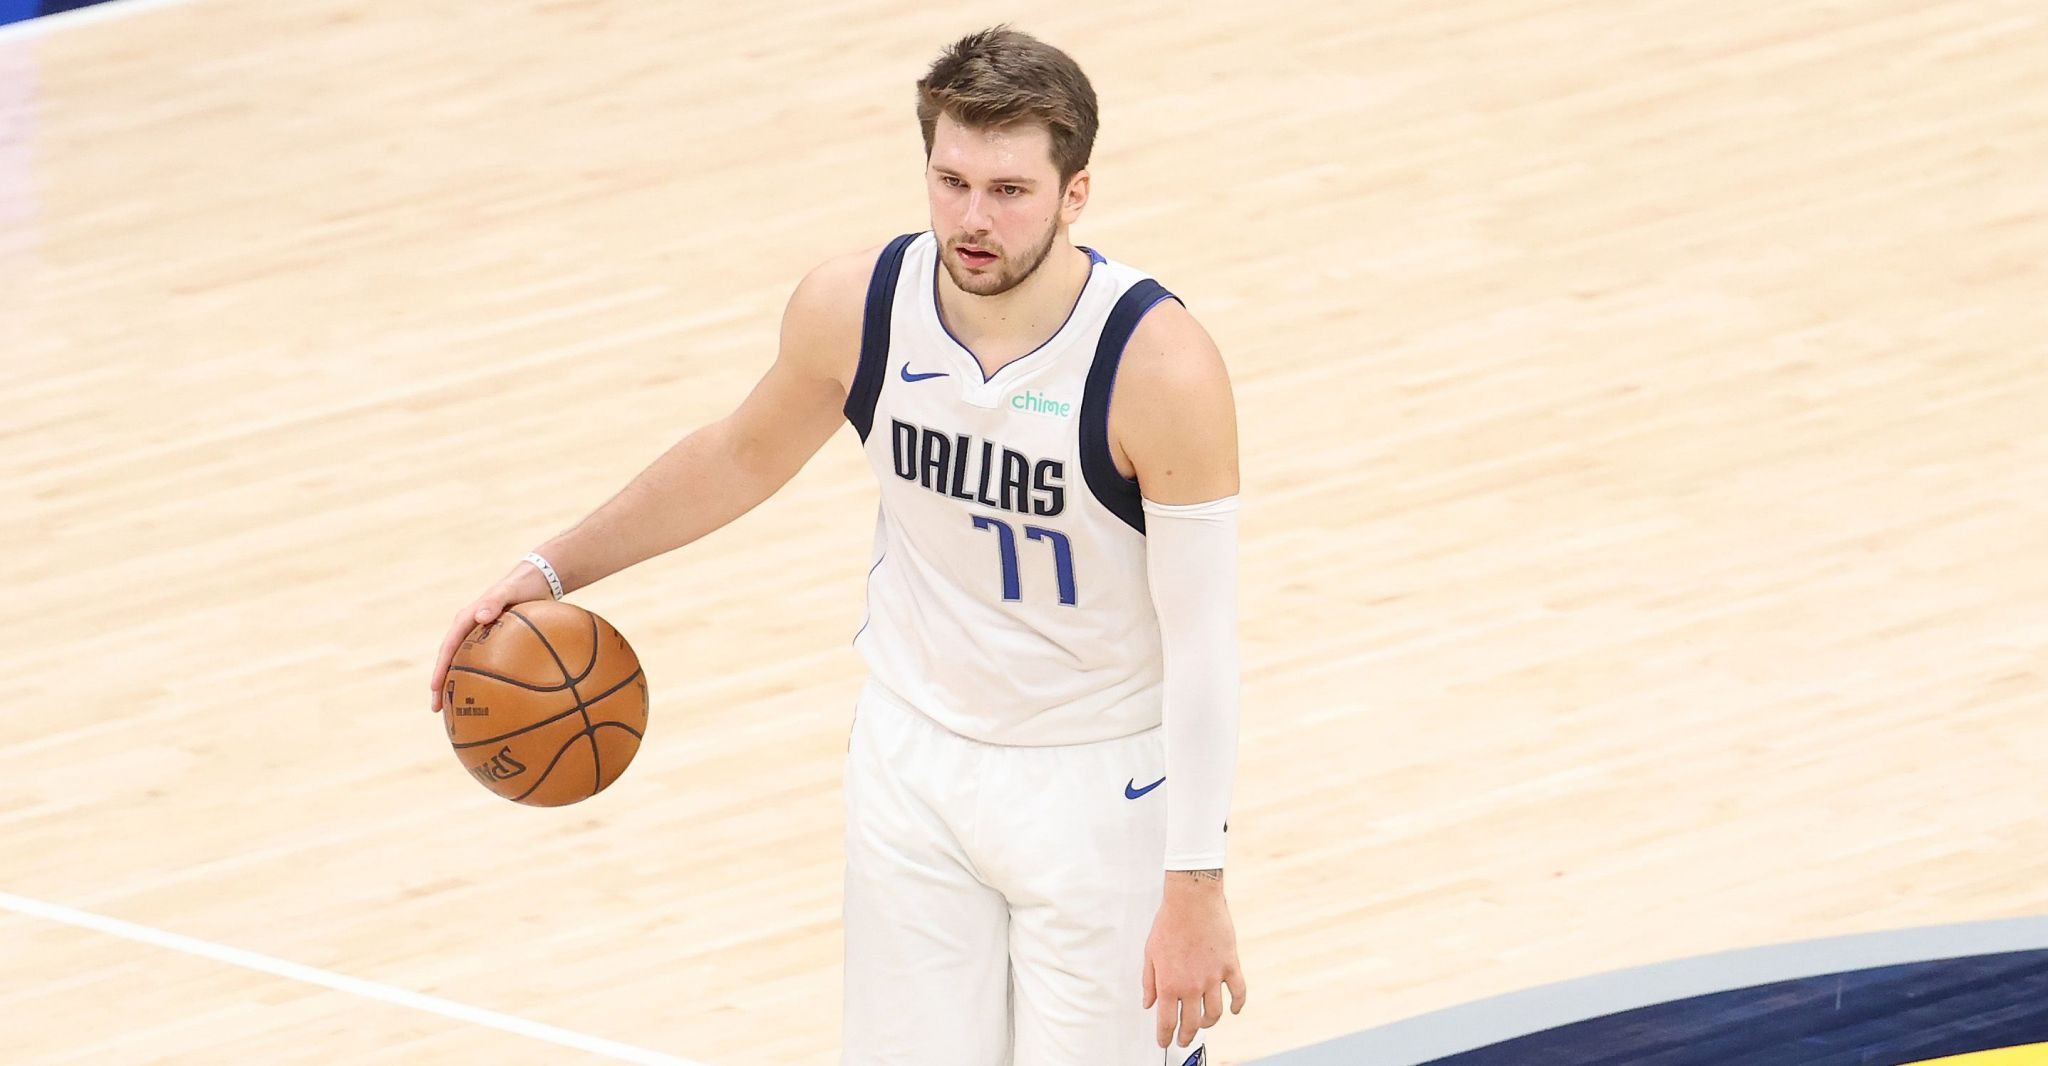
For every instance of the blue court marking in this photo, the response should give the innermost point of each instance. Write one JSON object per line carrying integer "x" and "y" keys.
{"x": 1953, "y": 985}
{"x": 52, "y": 15}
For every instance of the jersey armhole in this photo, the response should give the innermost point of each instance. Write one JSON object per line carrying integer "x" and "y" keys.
{"x": 872, "y": 370}
{"x": 1119, "y": 494}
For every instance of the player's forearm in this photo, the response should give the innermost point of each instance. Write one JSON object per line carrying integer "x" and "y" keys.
{"x": 702, "y": 482}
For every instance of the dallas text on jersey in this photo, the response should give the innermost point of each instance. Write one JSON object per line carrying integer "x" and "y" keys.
{"x": 947, "y": 463}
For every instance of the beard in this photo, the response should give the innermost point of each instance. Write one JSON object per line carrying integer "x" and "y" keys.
{"x": 1009, "y": 273}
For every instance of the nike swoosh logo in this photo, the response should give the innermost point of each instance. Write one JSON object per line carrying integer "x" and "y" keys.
{"x": 908, "y": 376}
{"x": 1132, "y": 791}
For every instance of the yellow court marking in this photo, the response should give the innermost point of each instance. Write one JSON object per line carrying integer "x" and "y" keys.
{"x": 2024, "y": 1055}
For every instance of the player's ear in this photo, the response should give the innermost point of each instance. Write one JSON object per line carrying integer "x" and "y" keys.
{"x": 1075, "y": 197}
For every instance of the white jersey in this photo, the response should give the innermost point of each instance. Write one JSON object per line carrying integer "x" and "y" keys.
{"x": 1007, "y": 599}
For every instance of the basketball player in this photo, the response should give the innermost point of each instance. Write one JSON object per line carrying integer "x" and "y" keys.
{"x": 1041, "y": 761}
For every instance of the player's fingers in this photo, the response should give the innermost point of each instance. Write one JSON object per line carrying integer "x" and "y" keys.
{"x": 1212, "y": 1005}
{"x": 1190, "y": 1019}
{"x": 450, "y": 644}
{"x": 1151, "y": 990}
{"x": 441, "y": 663}
{"x": 1236, "y": 982}
{"x": 1165, "y": 1018}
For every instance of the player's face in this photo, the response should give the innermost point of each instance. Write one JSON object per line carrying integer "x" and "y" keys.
{"x": 997, "y": 203}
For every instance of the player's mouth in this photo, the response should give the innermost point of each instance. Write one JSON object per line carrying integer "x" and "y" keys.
{"x": 974, "y": 257}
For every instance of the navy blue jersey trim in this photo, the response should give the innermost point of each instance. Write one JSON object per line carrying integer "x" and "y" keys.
{"x": 1116, "y": 492}
{"x": 874, "y": 337}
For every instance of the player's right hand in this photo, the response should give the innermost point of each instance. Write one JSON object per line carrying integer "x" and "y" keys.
{"x": 524, "y": 583}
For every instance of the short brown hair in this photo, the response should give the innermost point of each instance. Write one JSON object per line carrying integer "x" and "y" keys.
{"x": 999, "y": 77}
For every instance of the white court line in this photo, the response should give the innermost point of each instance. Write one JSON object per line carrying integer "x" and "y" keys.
{"x": 78, "y": 16}
{"x": 339, "y": 982}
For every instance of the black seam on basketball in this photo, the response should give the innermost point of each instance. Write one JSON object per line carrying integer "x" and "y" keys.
{"x": 596, "y": 761}
{"x": 552, "y": 719}
{"x": 596, "y": 767}
{"x": 543, "y": 778}
{"x": 508, "y": 680}
{"x": 637, "y": 735}
{"x": 552, "y": 653}
{"x": 587, "y": 670}
{"x": 596, "y": 782}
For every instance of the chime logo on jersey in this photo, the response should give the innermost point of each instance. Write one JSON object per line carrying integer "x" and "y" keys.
{"x": 978, "y": 471}
{"x": 1040, "y": 404}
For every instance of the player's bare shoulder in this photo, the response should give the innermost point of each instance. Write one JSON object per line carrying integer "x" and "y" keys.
{"x": 1171, "y": 370}
{"x": 821, "y": 325}
{"x": 1172, "y": 418}
{"x": 1171, "y": 352}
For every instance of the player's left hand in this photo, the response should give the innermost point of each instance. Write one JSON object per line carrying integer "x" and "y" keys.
{"x": 1191, "y": 953}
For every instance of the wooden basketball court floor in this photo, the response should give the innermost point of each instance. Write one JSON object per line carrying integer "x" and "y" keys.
{"x": 1645, "y": 541}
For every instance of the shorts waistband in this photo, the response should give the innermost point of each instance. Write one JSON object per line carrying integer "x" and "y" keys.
{"x": 888, "y": 697}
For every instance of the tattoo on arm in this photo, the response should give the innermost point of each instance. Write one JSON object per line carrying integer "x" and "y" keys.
{"x": 1203, "y": 875}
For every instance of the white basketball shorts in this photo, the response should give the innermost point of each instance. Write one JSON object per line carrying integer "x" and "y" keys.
{"x": 998, "y": 898}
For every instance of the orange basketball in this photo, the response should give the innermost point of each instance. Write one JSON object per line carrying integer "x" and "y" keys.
{"x": 546, "y": 705}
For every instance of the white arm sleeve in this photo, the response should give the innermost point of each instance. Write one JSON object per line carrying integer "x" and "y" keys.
{"x": 1191, "y": 561}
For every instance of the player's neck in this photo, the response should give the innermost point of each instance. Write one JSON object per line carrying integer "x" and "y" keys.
{"x": 1011, "y": 324}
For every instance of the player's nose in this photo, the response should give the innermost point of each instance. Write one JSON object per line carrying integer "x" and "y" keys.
{"x": 977, "y": 218}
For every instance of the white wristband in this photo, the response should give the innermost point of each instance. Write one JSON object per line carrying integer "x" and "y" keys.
{"x": 554, "y": 583}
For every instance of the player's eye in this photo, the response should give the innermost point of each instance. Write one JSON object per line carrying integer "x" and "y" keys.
{"x": 1011, "y": 190}
{"x": 950, "y": 180}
